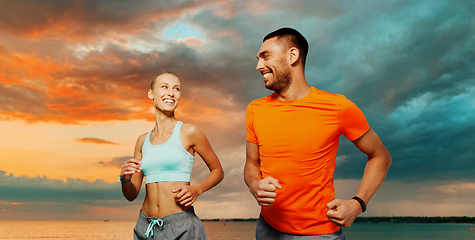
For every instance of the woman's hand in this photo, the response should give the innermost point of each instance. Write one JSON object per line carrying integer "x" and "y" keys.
{"x": 186, "y": 195}
{"x": 129, "y": 167}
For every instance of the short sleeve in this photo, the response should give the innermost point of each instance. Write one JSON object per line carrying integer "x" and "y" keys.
{"x": 352, "y": 121}
{"x": 251, "y": 135}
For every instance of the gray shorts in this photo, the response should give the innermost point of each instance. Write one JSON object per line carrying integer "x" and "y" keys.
{"x": 265, "y": 231}
{"x": 183, "y": 225}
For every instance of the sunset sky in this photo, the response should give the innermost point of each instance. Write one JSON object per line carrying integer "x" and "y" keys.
{"x": 74, "y": 77}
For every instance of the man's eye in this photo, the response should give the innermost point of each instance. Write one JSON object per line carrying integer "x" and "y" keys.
{"x": 164, "y": 87}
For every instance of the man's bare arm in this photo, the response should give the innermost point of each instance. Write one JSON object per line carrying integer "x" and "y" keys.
{"x": 344, "y": 212}
{"x": 262, "y": 189}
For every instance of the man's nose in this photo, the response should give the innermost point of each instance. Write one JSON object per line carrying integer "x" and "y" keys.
{"x": 259, "y": 66}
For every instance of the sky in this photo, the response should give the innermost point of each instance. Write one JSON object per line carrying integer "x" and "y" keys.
{"x": 74, "y": 77}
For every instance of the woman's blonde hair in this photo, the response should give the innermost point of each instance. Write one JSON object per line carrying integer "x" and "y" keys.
{"x": 158, "y": 75}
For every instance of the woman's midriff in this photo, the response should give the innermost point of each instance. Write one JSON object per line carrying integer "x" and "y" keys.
{"x": 160, "y": 200}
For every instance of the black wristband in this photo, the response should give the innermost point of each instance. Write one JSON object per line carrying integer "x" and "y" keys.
{"x": 362, "y": 203}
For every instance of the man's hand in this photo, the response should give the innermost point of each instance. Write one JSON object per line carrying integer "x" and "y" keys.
{"x": 343, "y": 212}
{"x": 264, "y": 191}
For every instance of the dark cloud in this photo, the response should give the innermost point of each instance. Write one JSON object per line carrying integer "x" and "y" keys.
{"x": 387, "y": 59}
{"x": 43, "y": 198}
{"x": 86, "y": 20}
{"x": 95, "y": 140}
{"x": 430, "y": 148}
{"x": 42, "y": 194}
{"x": 42, "y": 189}
{"x": 118, "y": 161}
{"x": 420, "y": 62}
{"x": 417, "y": 94}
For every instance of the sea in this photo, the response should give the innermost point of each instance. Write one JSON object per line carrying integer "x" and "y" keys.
{"x": 119, "y": 230}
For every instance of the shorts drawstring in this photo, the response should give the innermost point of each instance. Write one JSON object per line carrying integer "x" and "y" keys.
{"x": 158, "y": 221}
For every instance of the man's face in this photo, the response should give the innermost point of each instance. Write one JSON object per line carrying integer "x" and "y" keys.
{"x": 273, "y": 65}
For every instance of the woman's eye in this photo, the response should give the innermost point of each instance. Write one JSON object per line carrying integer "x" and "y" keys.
{"x": 164, "y": 87}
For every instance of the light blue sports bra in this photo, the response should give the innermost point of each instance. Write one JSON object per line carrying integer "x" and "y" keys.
{"x": 168, "y": 162}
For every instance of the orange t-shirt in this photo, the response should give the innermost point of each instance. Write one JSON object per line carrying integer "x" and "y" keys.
{"x": 298, "y": 142}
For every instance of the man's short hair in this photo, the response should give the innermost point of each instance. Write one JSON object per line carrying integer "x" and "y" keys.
{"x": 293, "y": 38}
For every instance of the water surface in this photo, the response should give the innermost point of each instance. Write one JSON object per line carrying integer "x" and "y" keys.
{"x": 95, "y": 230}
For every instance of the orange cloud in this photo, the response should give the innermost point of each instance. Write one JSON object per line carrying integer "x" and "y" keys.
{"x": 105, "y": 86}
{"x": 193, "y": 42}
{"x": 236, "y": 36}
{"x": 21, "y": 69}
{"x": 73, "y": 84}
{"x": 10, "y": 203}
{"x": 228, "y": 10}
{"x": 135, "y": 62}
{"x": 95, "y": 140}
{"x": 36, "y": 89}
{"x": 459, "y": 187}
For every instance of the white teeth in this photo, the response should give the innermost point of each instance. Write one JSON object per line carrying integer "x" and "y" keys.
{"x": 168, "y": 101}
{"x": 266, "y": 75}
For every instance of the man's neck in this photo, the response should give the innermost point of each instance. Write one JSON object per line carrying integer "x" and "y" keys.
{"x": 297, "y": 90}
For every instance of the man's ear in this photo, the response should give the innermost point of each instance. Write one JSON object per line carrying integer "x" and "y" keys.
{"x": 150, "y": 94}
{"x": 294, "y": 55}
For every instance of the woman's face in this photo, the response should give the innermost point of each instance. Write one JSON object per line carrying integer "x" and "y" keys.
{"x": 166, "y": 92}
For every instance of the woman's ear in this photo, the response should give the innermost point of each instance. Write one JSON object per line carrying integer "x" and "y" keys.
{"x": 150, "y": 94}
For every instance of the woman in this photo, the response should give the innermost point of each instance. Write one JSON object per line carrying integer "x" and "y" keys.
{"x": 165, "y": 157}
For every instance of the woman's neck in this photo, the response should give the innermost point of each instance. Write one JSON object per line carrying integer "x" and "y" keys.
{"x": 164, "y": 122}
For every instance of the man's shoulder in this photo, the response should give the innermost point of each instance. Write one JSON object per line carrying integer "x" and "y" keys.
{"x": 263, "y": 100}
{"x": 322, "y": 95}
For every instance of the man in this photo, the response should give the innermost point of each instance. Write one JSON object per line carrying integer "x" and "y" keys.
{"x": 292, "y": 143}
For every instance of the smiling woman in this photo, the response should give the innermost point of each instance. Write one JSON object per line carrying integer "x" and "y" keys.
{"x": 164, "y": 156}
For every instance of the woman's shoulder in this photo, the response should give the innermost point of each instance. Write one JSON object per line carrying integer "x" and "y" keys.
{"x": 142, "y": 137}
{"x": 189, "y": 129}
{"x": 193, "y": 134}
{"x": 140, "y": 141}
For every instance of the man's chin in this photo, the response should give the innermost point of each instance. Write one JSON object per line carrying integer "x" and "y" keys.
{"x": 269, "y": 85}
{"x": 273, "y": 87}
{"x": 270, "y": 88}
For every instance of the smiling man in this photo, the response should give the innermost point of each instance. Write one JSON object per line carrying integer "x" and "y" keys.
{"x": 292, "y": 144}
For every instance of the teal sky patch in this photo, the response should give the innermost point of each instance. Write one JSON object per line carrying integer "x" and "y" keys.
{"x": 180, "y": 31}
